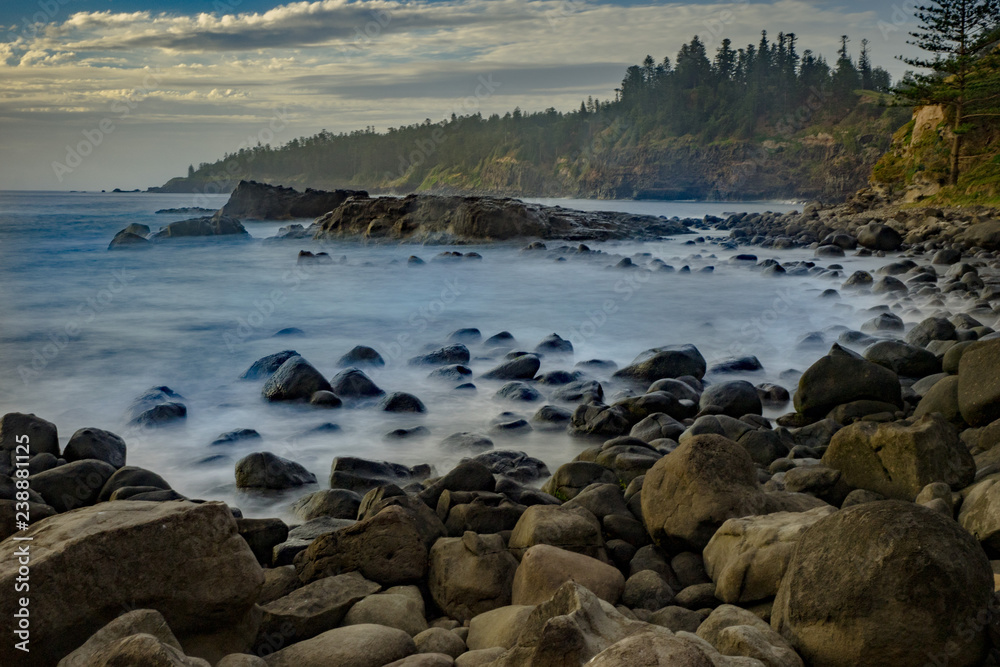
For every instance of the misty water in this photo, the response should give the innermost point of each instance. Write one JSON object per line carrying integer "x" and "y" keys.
{"x": 86, "y": 330}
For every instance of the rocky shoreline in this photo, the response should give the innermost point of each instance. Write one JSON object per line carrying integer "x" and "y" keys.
{"x": 861, "y": 527}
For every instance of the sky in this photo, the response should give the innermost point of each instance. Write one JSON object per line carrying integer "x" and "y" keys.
{"x": 99, "y": 94}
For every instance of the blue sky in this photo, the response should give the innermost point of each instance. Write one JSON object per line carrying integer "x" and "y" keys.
{"x": 152, "y": 87}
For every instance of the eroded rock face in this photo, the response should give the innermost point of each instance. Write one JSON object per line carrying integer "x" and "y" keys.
{"x": 747, "y": 557}
{"x": 261, "y": 201}
{"x": 898, "y": 459}
{"x": 182, "y": 559}
{"x": 885, "y": 583}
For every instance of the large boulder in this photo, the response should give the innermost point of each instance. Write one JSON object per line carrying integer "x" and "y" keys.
{"x": 984, "y": 235}
{"x": 315, "y": 608}
{"x": 295, "y": 380}
{"x": 875, "y": 236}
{"x": 498, "y": 628}
{"x": 735, "y": 398}
{"x": 364, "y": 645}
{"x": 898, "y": 459}
{"x": 980, "y": 512}
{"x": 470, "y": 575}
{"x": 672, "y": 361}
{"x": 17, "y": 428}
{"x": 903, "y": 358}
{"x": 659, "y": 648}
{"x": 264, "y": 470}
{"x": 886, "y": 583}
{"x": 387, "y": 548}
{"x": 843, "y": 376}
{"x": 352, "y": 383}
{"x": 400, "y": 607}
{"x": 573, "y": 529}
{"x": 545, "y": 568}
{"x": 979, "y": 383}
{"x": 265, "y": 366}
{"x": 148, "y": 622}
{"x": 73, "y": 485}
{"x": 217, "y": 225}
{"x": 689, "y": 493}
{"x": 94, "y": 443}
{"x": 747, "y": 557}
{"x": 523, "y": 367}
{"x": 182, "y": 559}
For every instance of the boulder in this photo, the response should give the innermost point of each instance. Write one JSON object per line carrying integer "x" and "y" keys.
{"x": 656, "y": 648}
{"x": 140, "y": 621}
{"x": 127, "y": 239}
{"x": 435, "y": 642}
{"x": 361, "y": 355}
{"x": 980, "y": 512}
{"x": 401, "y": 607}
{"x": 942, "y": 398}
{"x": 930, "y": 329}
{"x": 664, "y": 362}
{"x": 518, "y": 391}
{"x": 352, "y": 383}
{"x": 387, "y": 548}
{"x": 910, "y": 584}
{"x": 470, "y": 575}
{"x": 42, "y": 435}
{"x": 443, "y": 356}
{"x": 843, "y": 376}
{"x": 399, "y": 401}
{"x": 571, "y": 628}
{"x": 264, "y": 470}
{"x": 182, "y": 559}
{"x": 365, "y": 645}
{"x": 262, "y": 201}
{"x": 739, "y": 632}
{"x": 554, "y": 344}
{"x": 903, "y": 358}
{"x": 979, "y": 383}
{"x": 295, "y": 380}
{"x": 464, "y": 440}
{"x": 572, "y": 529}
{"x": 144, "y": 649}
{"x": 93, "y": 443}
{"x": 336, "y": 503}
{"x": 748, "y": 556}
{"x": 735, "y": 398}
{"x": 656, "y": 426}
{"x": 688, "y": 494}
{"x": 265, "y": 366}
{"x": 984, "y": 235}
{"x": 649, "y": 590}
{"x": 898, "y": 459}
{"x": 314, "y": 608}
{"x": 571, "y": 478}
{"x": 875, "y": 236}
{"x": 499, "y": 627}
{"x": 545, "y": 568}
{"x": 73, "y": 485}
{"x": 523, "y": 367}
{"x": 217, "y": 225}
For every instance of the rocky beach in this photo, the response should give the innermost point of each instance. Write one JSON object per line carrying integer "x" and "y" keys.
{"x": 709, "y": 511}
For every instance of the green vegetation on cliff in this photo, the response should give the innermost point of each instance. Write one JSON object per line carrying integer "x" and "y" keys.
{"x": 762, "y": 121}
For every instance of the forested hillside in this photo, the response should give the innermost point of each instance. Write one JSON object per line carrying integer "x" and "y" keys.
{"x": 760, "y": 121}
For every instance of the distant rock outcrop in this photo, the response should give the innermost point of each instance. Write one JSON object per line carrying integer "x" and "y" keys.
{"x": 451, "y": 219}
{"x": 217, "y": 225}
{"x": 260, "y": 201}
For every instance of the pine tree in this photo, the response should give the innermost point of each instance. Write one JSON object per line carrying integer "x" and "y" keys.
{"x": 953, "y": 32}
{"x": 865, "y": 67}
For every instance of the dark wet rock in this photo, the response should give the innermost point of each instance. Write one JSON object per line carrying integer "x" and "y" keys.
{"x": 217, "y": 225}
{"x": 581, "y": 391}
{"x": 515, "y": 465}
{"x": 265, "y": 366}
{"x": 42, "y": 435}
{"x": 903, "y": 359}
{"x": 465, "y": 336}
{"x": 361, "y": 355}
{"x": 554, "y": 344}
{"x": 73, "y": 485}
{"x": 399, "y": 401}
{"x": 127, "y": 239}
{"x": 512, "y": 426}
{"x": 552, "y": 416}
{"x": 518, "y": 391}
{"x": 325, "y": 399}
{"x": 602, "y": 420}
{"x": 150, "y": 399}
{"x": 456, "y": 353}
{"x": 295, "y": 380}
{"x": 407, "y": 433}
{"x": 236, "y": 436}
{"x": 94, "y": 443}
{"x": 857, "y": 280}
{"x": 288, "y": 331}
{"x": 453, "y": 373}
{"x": 362, "y": 475}
{"x": 504, "y": 339}
{"x": 736, "y": 398}
{"x": 273, "y": 202}
{"x": 843, "y": 376}
{"x": 336, "y": 503}
{"x": 979, "y": 383}
{"x": 879, "y": 237}
{"x": 413, "y": 260}
{"x": 664, "y": 362}
{"x": 932, "y": 328}
{"x": 558, "y": 377}
{"x": 772, "y": 395}
{"x": 883, "y": 322}
{"x": 737, "y": 365}
{"x": 523, "y": 367}
{"x": 602, "y": 365}
{"x": 656, "y": 426}
{"x": 131, "y": 476}
{"x": 467, "y": 441}
{"x": 264, "y": 470}
{"x": 352, "y": 383}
